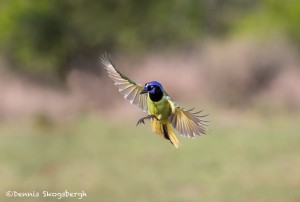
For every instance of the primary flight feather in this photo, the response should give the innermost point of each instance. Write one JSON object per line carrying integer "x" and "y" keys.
{"x": 162, "y": 110}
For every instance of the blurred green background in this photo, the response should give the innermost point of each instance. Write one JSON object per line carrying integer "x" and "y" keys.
{"x": 64, "y": 125}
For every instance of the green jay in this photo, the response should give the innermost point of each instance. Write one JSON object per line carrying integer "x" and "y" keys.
{"x": 163, "y": 111}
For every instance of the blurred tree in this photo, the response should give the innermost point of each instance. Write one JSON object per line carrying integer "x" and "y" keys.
{"x": 272, "y": 17}
{"x": 34, "y": 34}
{"x": 42, "y": 37}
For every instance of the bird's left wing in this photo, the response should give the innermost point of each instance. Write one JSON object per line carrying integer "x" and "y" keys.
{"x": 130, "y": 89}
{"x": 186, "y": 122}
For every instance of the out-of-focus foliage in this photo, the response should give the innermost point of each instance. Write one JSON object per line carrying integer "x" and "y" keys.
{"x": 42, "y": 37}
{"x": 34, "y": 35}
{"x": 272, "y": 17}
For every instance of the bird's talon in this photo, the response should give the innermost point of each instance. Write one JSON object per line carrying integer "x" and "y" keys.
{"x": 142, "y": 120}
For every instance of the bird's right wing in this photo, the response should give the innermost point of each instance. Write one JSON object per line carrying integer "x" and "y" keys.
{"x": 130, "y": 89}
{"x": 187, "y": 122}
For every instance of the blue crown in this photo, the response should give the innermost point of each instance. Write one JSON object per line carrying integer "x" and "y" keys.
{"x": 154, "y": 83}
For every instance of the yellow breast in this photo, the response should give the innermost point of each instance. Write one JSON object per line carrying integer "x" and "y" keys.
{"x": 160, "y": 109}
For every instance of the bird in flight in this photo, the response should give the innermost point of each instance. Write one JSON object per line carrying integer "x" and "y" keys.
{"x": 163, "y": 112}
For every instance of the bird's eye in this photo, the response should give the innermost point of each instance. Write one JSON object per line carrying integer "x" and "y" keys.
{"x": 149, "y": 88}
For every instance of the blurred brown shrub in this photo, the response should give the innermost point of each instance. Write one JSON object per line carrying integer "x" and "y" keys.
{"x": 225, "y": 74}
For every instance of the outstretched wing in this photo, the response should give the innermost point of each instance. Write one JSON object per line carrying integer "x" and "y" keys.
{"x": 130, "y": 89}
{"x": 186, "y": 122}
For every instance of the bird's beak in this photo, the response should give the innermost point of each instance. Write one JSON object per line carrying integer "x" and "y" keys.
{"x": 143, "y": 91}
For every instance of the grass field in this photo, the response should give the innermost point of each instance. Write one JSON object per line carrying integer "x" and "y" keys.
{"x": 241, "y": 159}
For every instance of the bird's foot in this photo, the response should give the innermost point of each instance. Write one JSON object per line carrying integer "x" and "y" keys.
{"x": 142, "y": 120}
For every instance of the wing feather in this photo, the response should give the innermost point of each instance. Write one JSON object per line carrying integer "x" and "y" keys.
{"x": 186, "y": 122}
{"x": 130, "y": 89}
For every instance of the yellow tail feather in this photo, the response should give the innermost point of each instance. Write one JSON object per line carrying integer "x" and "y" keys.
{"x": 172, "y": 136}
{"x": 166, "y": 131}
